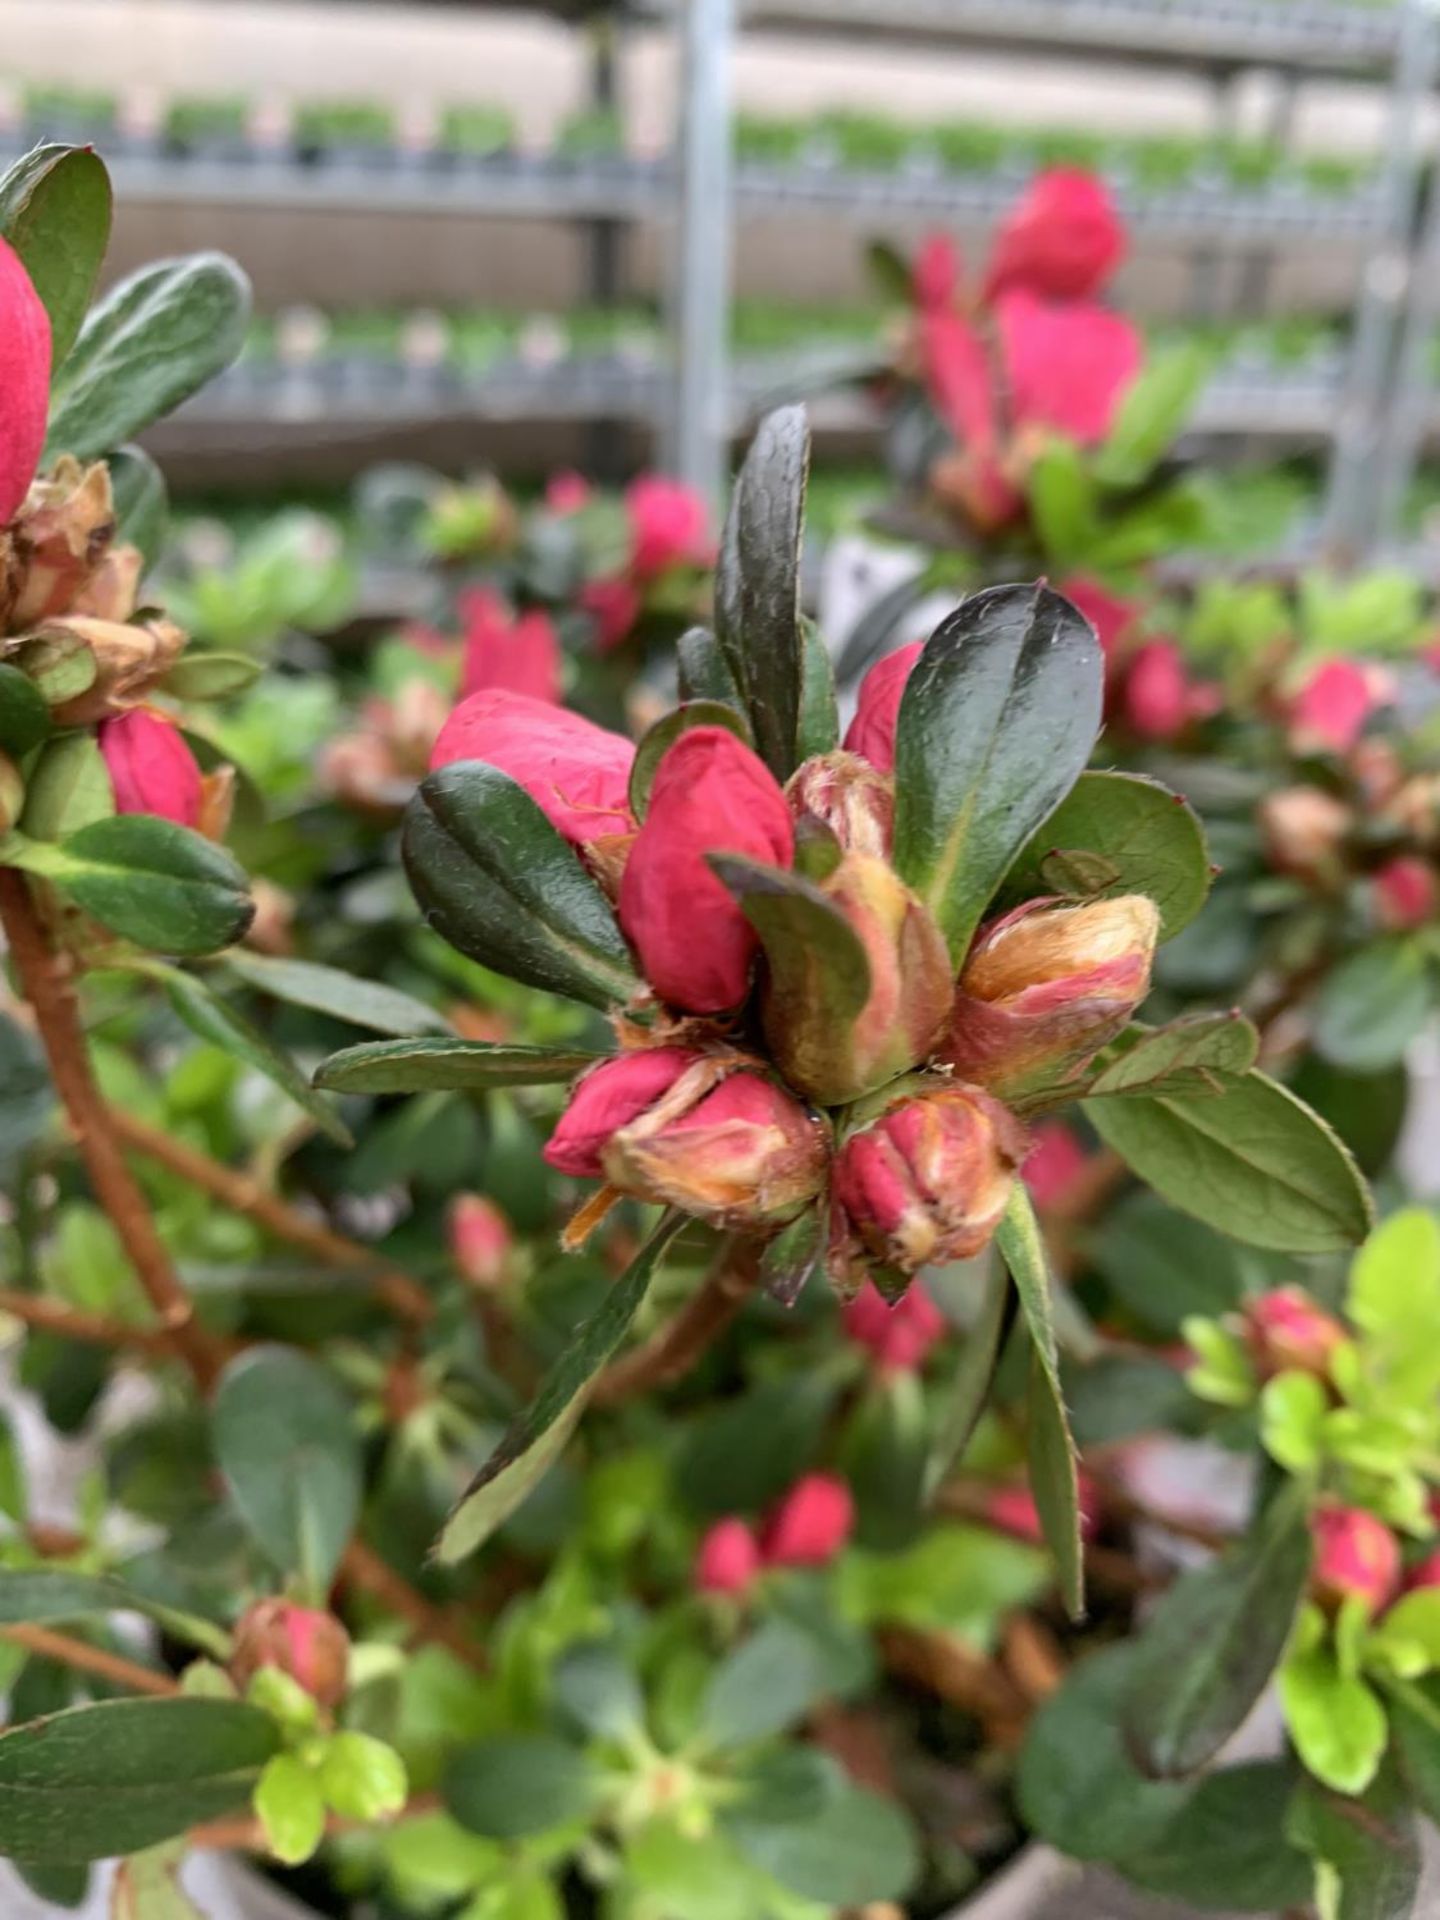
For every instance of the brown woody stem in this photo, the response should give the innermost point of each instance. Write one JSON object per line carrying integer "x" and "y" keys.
{"x": 672, "y": 1350}
{"x": 95, "y": 1329}
{"x": 84, "y": 1658}
{"x": 47, "y": 979}
{"x": 238, "y": 1191}
{"x": 362, "y": 1567}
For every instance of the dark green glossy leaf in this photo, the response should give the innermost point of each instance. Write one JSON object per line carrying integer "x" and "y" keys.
{"x": 364, "y": 1003}
{"x": 538, "y": 1437}
{"x": 150, "y": 881}
{"x": 1414, "y": 1710}
{"x": 743, "y": 1453}
{"x": 519, "y": 1783}
{"x": 27, "y": 1099}
{"x": 58, "y": 1882}
{"x": 41, "y": 1594}
{"x": 418, "y": 1066}
{"x": 1212, "y": 1644}
{"x": 1185, "y": 1057}
{"x": 1227, "y": 1847}
{"x": 142, "y": 505}
{"x": 657, "y": 742}
{"x": 150, "y": 343}
{"x": 211, "y": 676}
{"x": 996, "y": 723}
{"x": 1372, "y": 1006}
{"x": 1051, "y": 1451}
{"x": 793, "y": 1255}
{"x": 1150, "y": 838}
{"x": 703, "y": 672}
{"x": 814, "y": 956}
{"x": 1372, "y": 1844}
{"x": 818, "y": 727}
{"x": 55, "y": 207}
{"x": 1164, "y": 1265}
{"x": 496, "y": 880}
{"x": 598, "y": 1688}
{"x": 122, "y": 1775}
{"x": 222, "y": 1025}
{"x": 24, "y": 716}
{"x": 765, "y": 1684}
{"x": 1252, "y": 1160}
{"x": 286, "y": 1441}
{"x": 970, "y": 1388}
{"x": 757, "y": 592}
{"x": 857, "y": 1849}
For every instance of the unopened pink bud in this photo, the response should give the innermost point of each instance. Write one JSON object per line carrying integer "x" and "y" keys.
{"x": 1013, "y": 1510}
{"x": 567, "y": 492}
{"x": 1157, "y": 695}
{"x": 811, "y": 1524}
{"x": 1406, "y": 894}
{"x": 614, "y": 605}
{"x": 898, "y": 1335}
{"x": 872, "y": 732}
{"x": 24, "y": 381}
{"x": 1062, "y": 239}
{"x": 1054, "y": 1163}
{"x": 1304, "y": 830}
{"x": 1288, "y": 1331}
{"x": 729, "y": 1558}
{"x": 1045, "y": 987}
{"x": 669, "y": 526}
{"x": 1329, "y": 712}
{"x": 1356, "y": 1557}
{"x": 578, "y": 774}
{"x": 520, "y": 652}
{"x": 609, "y": 1097}
{"x": 151, "y": 768}
{"x": 312, "y": 1647}
{"x": 481, "y": 1240}
{"x": 849, "y": 798}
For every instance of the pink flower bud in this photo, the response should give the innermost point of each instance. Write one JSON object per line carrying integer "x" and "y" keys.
{"x": 519, "y": 652}
{"x": 312, "y": 1647}
{"x": 1063, "y": 238}
{"x": 669, "y": 526}
{"x": 810, "y": 1525}
{"x": 609, "y": 1097}
{"x": 935, "y": 272}
{"x": 729, "y": 1558}
{"x": 24, "y": 381}
{"x": 1405, "y": 893}
{"x": 897, "y": 1334}
{"x": 1424, "y": 1574}
{"x": 575, "y": 772}
{"x": 1012, "y": 1510}
{"x": 1045, "y": 987}
{"x": 1356, "y": 1557}
{"x": 1156, "y": 699}
{"x": 567, "y": 492}
{"x": 924, "y": 1183}
{"x": 151, "y": 768}
{"x": 1286, "y": 1330}
{"x": 711, "y": 794}
{"x": 848, "y": 797}
{"x": 614, "y": 606}
{"x": 1329, "y": 712}
{"x": 742, "y": 1154}
{"x": 1053, "y": 1165}
{"x": 830, "y": 1061}
{"x": 1111, "y": 614}
{"x": 1304, "y": 830}
{"x": 872, "y": 732}
{"x": 1067, "y": 367}
{"x": 481, "y": 1240}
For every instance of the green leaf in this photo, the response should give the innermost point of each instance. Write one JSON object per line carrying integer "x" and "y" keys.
{"x": 658, "y": 740}
{"x": 818, "y": 727}
{"x": 1251, "y": 1160}
{"x": 1415, "y": 1723}
{"x": 1052, "y": 1463}
{"x": 956, "y": 1579}
{"x": 417, "y": 1066}
{"x": 27, "y": 1099}
{"x": 362, "y": 1778}
{"x": 703, "y": 672}
{"x": 1370, "y": 1845}
{"x": 970, "y": 1388}
{"x": 222, "y": 1025}
{"x": 24, "y": 716}
{"x": 40, "y": 1594}
{"x": 1210, "y": 1647}
{"x": 364, "y": 1003}
{"x": 55, "y": 207}
{"x": 150, "y": 343}
{"x": 1152, "y": 415}
{"x": 496, "y": 880}
{"x": 68, "y": 788}
{"x": 598, "y": 1688}
{"x": 816, "y": 959}
{"x": 538, "y": 1437}
{"x": 210, "y": 676}
{"x": 1336, "y": 1721}
{"x": 1061, "y": 493}
{"x": 757, "y": 588}
{"x": 1227, "y": 1846}
{"x": 767, "y": 1683}
{"x": 142, "y": 506}
{"x": 517, "y": 1784}
{"x": 60, "y": 663}
{"x": 147, "y": 1887}
{"x": 1293, "y": 1407}
{"x": 793, "y": 1254}
{"x": 1149, "y": 837}
{"x": 286, "y": 1441}
{"x": 67, "y": 1886}
{"x": 742, "y": 1453}
{"x": 996, "y": 723}
{"x": 858, "y": 1848}
{"x": 1372, "y": 1006}
{"x": 1395, "y": 1272}
{"x": 148, "y": 880}
{"x": 290, "y": 1809}
{"x": 1184, "y": 1057}
{"x": 122, "y": 1775}
{"x": 1167, "y": 1267}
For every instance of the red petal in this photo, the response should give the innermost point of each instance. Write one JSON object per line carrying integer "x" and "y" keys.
{"x": 24, "y": 381}
{"x": 1067, "y": 366}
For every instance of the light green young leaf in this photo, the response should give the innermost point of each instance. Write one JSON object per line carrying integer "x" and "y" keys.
{"x": 1338, "y": 1724}
{"x": 1292, "y": 1420}
{"x": 290, "y": 1808}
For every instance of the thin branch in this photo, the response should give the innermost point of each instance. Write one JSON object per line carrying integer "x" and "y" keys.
{"x": 672, "y": 1350}
{"x": 96, "y": 1329}
{"x": 362, "y": 1567}
{"x": 84, "y": 1658}
{"x": 248, "y": 1836}
{"x": 403, "y": 1295}
{"x": 47, "y": 979}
